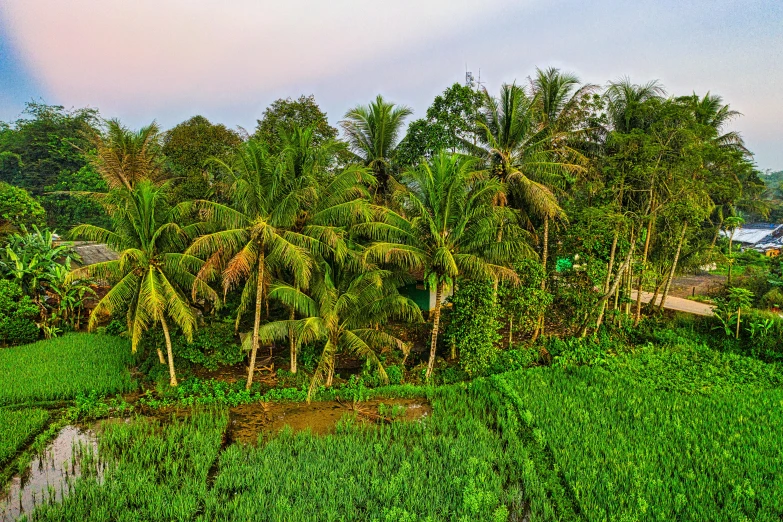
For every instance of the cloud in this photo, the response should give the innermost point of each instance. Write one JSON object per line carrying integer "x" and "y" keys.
{"x": 153, "y": 52}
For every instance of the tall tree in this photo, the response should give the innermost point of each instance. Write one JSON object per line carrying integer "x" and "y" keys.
{"x": 188, "y": 148}
{"x": 283, "y": 214}
{"x": 449, "y": 228}
{"x": 450, "y": 122}
{"x": 285, "y": 114}
{"x": 124, "y": 157}
{"x": 151, "y": 278}
{"x": 373, "y": 133}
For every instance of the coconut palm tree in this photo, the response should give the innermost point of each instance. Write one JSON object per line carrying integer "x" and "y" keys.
{"x": 448, "y": 228}
{"x": 254, "y": 239}
{"x": 623, "y": 97}
{"x": 285, "y": 213}
{"x": 558, "y": 101}
{"x": 151, "y": 277}
{"x": 124, "y": 157}
{"x": 373, "y": 133}
{"x": 710, "y": 112}
{"x": 342, "y": 313}
{"x": 340, "y": 197}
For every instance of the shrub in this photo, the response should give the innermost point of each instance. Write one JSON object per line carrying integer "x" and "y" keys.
{"x": 474, "y": 326}
{"x": 17, "y": 314}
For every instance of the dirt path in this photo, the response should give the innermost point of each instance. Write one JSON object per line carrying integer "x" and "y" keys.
{"x": 678, "y": 304}
{"x": 693, "y": 284}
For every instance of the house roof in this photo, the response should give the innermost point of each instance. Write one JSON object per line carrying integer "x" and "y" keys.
{"x": 92, "y": 252}
{"x": 756, "y": 234}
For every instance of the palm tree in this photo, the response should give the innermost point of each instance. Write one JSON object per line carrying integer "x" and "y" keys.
{"x": 340, "y": 197}
{"x": 558, "y": 103}
{"x": 449, "y": 228}
{"x": 623, "y": 97}
{"x": 343, "y": 313}
{"x": 254, "y": 237}
{"x": 123, "y": 157}
{"x": 285, "y": 213}
{"x": 711, "y": 113}
{"x": 373, "y": 133}
{"x": 151, "y": 276}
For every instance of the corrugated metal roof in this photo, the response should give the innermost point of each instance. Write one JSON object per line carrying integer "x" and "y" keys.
{"x": 755, "y": 233}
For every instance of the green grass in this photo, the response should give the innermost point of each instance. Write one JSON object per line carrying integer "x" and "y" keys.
{"x": 671, "y": 431}
{"x": 657, "y": 435}
{"x": 62, "y": 368}
{"x": 18, "y": 427}
{"x": 452, "y": 466}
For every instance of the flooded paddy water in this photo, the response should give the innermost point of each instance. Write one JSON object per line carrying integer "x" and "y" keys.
{"x": 74, "y": 451}
{"x": 248, "y": 421}
{"x": 51, "y": 473}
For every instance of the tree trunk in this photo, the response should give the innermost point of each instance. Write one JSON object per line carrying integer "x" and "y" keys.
{"x": 739, "y": 313}
{"x": 639, "y": 286}
{"x": 510, "y": 332}
{"x": 330, "y": 376}
{"x": 658, "y": 285}
{"x": 674, "y": 266}
{"x": 172, "y": 374}
{"x": 257, "y": 320}
{"x": 544, "y": 257}
{"x": 292, "y": 342}
{"x": 615, "y": 286}
{"x": 731, "y": 259}
{"x": 435, "y": 324}
{"x": 611, "y": 258}
{"x": 160, "y": 356}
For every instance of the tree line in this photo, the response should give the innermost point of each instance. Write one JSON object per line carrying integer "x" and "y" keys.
{"x": 605, "y": 190}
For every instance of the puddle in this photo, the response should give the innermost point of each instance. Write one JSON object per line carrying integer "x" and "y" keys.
{"x": 249, "y": 420}
{"x": 50, "y": 474}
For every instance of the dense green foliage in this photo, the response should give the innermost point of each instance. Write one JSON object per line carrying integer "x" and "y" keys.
{"x": 64, "y": 367}
{"x": 473, "y": 325}
{"x": 18, "y": 208}
{"x": 17, "y": 315}
{"x": 17, "y": 427}
{"x": 690, "y": 434}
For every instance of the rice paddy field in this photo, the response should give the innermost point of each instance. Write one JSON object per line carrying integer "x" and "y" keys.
{"x": 62, "y": 368}
{"x": 671, "y": 431}
{"x": 18, "y": 427}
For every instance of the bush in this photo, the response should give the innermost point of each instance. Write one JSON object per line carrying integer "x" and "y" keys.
{"x": 17, "y": 314}
{"x": 18, "y": 207}
{"x": 213, "y": 345}
{"x": 474, "y": 325}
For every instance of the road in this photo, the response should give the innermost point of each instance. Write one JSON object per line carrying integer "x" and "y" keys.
{"x": 678, "y": 304}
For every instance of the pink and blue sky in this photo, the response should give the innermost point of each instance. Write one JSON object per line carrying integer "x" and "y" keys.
{"x": 171, "y": 59}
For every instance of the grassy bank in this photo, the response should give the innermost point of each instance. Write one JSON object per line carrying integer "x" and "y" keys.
{"x": 62, "y": 368}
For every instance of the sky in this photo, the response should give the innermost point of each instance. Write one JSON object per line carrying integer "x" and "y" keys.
{"x": 168, "y": 60}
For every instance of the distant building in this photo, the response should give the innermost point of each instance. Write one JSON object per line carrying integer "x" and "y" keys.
{"x": 766, "y": 238}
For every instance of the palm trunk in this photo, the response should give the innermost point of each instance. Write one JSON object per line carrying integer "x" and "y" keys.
{"x": 510, "y": 332}
{"x": 674, "y": 266}
{"x": 330, "y": 376}
{"x": 640, "y": 284}
{"x": 611, "y": 258}
{"x": 160, "y": 356}
{"x": 435, "y": 324}
{"x": 739, "y": 313}
{"x": 544, "y": 256}
{"x": 172, "y": 374}
{"x": 292, "y": 341}
{"x": 257, "y": 321}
